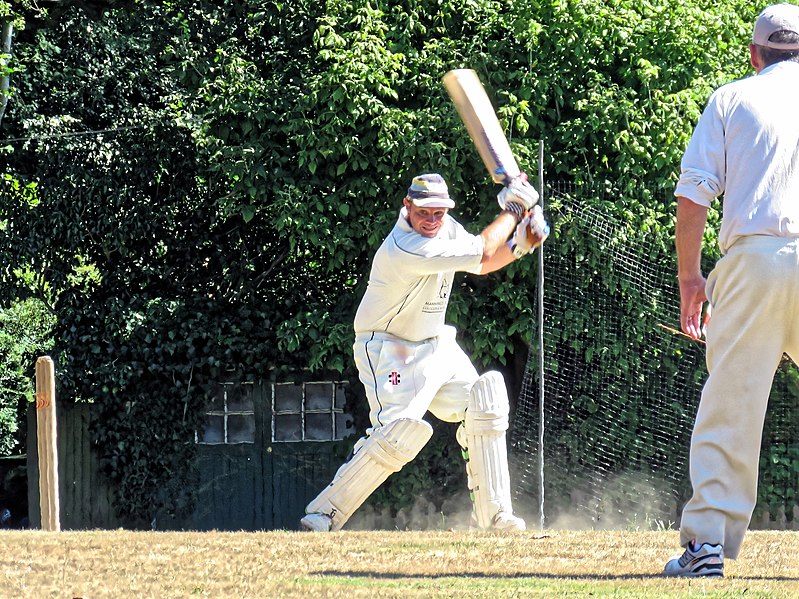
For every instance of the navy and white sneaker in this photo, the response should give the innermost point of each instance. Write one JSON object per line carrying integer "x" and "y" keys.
{"x": 697, "y": 560}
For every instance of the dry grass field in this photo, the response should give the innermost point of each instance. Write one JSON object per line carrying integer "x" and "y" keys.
{"x": 372, "y": 564}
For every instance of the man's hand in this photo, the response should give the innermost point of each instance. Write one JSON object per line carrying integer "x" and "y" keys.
{"x": 518, "y": 196}
{"x": 692, "y": 299}
{"x": 690, "y": 226}
{"x": 530, "y": 233}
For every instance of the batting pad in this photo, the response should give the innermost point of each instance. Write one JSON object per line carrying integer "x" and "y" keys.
{"x": 487, "y": 462}
{"x": 385, "y": 452}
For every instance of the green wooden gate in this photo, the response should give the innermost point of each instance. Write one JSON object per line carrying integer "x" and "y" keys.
{"x": 247, "y": 488}
{"x": 270, "y": 459}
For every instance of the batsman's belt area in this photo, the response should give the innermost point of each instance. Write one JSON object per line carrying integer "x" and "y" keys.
{"x": 382, "y": 563}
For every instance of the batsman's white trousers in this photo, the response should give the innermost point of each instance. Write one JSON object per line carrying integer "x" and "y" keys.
{"x": 754, "y": 292}
{"x": 405, "y": 379}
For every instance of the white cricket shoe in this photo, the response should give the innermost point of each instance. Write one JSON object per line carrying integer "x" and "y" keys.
{"x": 317, "y": 522}
{"x": 507, "y": 521}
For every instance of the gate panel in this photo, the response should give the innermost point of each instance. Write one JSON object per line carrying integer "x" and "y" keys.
{"x": 301, "y": 470}
{"x": 231, "y": 489}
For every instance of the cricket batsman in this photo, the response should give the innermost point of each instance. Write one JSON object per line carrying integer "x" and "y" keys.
{"x": 410, "y": 362}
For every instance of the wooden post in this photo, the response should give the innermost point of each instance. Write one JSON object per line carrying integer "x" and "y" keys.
{"x": 48, "y": 450}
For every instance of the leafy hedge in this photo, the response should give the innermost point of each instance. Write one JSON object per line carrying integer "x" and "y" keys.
{"x": 24, "y": 332}
{"x": 214, "y": 177}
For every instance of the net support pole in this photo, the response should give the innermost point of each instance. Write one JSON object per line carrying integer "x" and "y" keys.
{"x": 46, "y": 444}
{"x": 541, "y": 343}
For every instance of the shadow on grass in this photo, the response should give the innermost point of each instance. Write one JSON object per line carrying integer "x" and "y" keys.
{"x": 540, "y": 575}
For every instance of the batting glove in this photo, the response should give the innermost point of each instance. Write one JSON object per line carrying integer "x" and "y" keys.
{"x": 518, "y": 196}
{"x": 531, "y": 232}
{"x": 539, "y": 225}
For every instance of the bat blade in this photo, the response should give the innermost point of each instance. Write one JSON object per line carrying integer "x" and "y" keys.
{"x": 477, "y": 113}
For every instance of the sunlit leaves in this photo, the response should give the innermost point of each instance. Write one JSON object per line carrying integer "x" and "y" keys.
{"x": 203, "y": 184}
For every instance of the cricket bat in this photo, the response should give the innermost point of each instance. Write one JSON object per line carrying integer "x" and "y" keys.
{"x": 477, "y": 113}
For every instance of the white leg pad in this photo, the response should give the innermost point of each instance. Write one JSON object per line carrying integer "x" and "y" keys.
{"x": 486, "y": 449}
{"x": 383, "y": 453}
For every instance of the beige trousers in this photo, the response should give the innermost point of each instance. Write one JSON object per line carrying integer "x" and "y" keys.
{"x": 754, "y": 292}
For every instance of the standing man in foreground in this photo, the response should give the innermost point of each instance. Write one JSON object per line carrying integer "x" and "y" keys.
{"x": 745, "y": 146}
{"x": 409, "y": 361}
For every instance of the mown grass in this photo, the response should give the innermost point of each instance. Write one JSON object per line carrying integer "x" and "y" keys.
{"x": 354, "y": 564}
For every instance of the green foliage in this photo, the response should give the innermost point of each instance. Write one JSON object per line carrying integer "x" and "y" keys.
{"x": 779, "y": 461}
{"x": 25, "y": 333}
{"x": 627, "y": 81}
{"x": 15, "y": 14}
{"x": 201, "y": 186}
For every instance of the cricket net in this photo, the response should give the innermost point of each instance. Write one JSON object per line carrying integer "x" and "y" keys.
{"x": 608, "y": 445}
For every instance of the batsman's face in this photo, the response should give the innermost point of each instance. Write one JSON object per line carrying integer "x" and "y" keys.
{"x": 425, "y": 221}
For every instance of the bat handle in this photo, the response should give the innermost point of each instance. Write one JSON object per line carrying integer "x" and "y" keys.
{"x": 506, "y": 179}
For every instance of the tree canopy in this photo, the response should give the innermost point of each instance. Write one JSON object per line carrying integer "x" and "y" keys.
{"x": 194, "y": 189}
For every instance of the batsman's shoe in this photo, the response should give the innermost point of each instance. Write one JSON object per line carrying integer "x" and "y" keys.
{"x": 317, "y": 522}
{"x": 507, "y": 521}
{"x": 701, "y": 560}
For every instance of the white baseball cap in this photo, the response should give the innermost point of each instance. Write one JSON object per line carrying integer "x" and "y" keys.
{"x": 430, "y": 191}
{"x": 774, "y": 18}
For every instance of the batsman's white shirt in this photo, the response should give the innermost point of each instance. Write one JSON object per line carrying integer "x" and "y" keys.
{"x": 408, "y": 360}
{"x": 746, "y": 146}
{"x": 411, "y": 279}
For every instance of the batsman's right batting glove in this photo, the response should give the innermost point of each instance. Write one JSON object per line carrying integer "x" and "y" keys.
{"x": 531, "y": 232}
{"x": 518, "y": 196}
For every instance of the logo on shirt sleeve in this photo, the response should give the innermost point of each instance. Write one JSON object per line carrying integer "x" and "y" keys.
{"x": 394, "y": 377}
